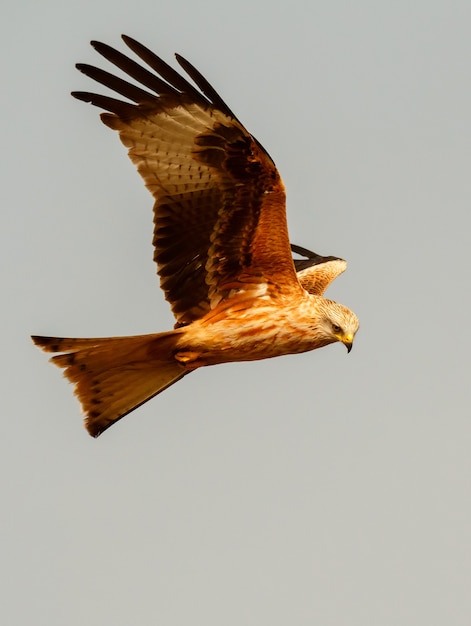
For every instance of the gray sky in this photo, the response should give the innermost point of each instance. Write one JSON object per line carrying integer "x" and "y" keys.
{"x": 314, "y": 489}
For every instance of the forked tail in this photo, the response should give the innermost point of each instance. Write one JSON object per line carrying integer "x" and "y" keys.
{"x": 115, "y": 375}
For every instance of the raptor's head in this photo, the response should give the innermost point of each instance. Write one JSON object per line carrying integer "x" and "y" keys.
{"x": 338, "y": 323}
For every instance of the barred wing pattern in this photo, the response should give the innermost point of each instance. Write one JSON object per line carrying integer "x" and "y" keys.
{"x": 220, "y": 217}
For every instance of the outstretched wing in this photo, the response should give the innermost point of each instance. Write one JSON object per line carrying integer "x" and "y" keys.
{"x": 219, "y": 214}
{"x": 316, "y": 272}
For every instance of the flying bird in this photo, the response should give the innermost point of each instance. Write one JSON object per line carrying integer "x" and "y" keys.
{"x": 221, "y": 245}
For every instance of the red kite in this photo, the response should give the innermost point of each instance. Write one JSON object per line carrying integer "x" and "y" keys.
{"x": 221, "y": 245}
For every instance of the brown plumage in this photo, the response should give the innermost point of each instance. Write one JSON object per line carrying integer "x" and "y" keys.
{"x": 221, "y": 245}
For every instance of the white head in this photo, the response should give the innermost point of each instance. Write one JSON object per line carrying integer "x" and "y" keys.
{"x": 337, "y": 323}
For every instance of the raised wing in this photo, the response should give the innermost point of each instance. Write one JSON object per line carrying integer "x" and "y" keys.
{"x": 316, "y": 272}
{"x": 219, "y": 214}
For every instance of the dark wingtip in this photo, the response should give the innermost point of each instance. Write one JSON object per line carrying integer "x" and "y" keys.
{"x": 40, "y": 340}
{"x": 93, "y": 427}
{"x": 131, "y": 42}
{"x": 84, "y": 96}
{"x": 46, "y": 343}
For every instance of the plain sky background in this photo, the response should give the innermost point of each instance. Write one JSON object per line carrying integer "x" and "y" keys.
{"x": 324, "y": 488}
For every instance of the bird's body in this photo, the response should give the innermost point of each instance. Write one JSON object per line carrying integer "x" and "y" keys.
{"x": 221, "y": 247}
{"x": 261, "y": 328}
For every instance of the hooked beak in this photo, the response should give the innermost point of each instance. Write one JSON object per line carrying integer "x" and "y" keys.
{"x": 347, "y": 341}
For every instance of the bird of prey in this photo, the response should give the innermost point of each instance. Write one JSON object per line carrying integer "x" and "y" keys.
{"x": 221, "y": 245}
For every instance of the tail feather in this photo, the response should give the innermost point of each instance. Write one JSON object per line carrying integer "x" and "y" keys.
{"x": 115, "y": 375}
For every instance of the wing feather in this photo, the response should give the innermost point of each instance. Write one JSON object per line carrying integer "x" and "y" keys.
{"x": 315, "y": 272}
{"x": 219, "y": 214}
